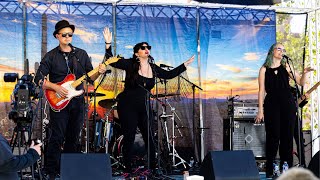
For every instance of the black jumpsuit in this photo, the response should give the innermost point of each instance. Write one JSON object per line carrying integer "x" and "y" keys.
{"x": 279, "y": 115}
{"x": 133, "y": 105}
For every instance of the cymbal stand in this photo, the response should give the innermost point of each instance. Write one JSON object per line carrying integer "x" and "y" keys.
{"x": 107, "y": 133}
{"x": 174, "y": 153}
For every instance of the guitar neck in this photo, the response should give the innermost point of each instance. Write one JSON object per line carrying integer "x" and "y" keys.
{"x": 313, "y": 87}
{"x": 93, "y": 72}
{"x": 80, "y": 80}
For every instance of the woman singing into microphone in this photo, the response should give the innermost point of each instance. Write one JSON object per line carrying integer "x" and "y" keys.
{"x": 132, "y": 106}
{"x": 277, "y": 106}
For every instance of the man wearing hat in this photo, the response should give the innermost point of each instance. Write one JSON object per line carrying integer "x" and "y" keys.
{"x": 65, "y": 124}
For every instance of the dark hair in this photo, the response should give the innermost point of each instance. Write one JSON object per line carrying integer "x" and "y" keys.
{"x": 133, "y": 73}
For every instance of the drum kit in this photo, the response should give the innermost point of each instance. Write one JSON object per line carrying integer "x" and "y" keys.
{"x": 105, "y": 131}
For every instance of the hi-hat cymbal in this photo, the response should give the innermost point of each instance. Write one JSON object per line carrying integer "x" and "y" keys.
{"x": 91, "y": 94}
{"x": 107, "y": 103}
{"x": 166, "y": 95}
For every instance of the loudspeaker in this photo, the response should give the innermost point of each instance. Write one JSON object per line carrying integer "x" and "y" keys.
{"x": 246, "y": 135}
{"x": 314, "y": 164}
{"x": 226, "y": 165}
{"x": 85, "y": 166}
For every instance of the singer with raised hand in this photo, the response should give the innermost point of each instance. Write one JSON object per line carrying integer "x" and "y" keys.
{"x": 132, "y": 109}
{"x": 65, "y": 124}
{"x": 277, "y": 107}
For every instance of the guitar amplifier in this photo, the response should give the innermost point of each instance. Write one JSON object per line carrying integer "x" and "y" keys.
{"x": 246, "y": 135}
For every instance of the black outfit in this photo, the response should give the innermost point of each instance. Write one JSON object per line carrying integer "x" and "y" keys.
{"x": 279, "y": 115}
{"x": 133, "y": 105}
{"x": 65, "y": 125}
{"x": 10, "y": 164}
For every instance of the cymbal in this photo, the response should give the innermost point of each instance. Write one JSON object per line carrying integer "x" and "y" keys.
{"x": 107, "y": 103}
{"x": 166, "y": 95}
{"x": 91, "y": 94}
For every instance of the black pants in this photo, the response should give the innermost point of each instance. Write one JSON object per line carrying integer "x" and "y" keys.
{"x": 280, "y": 116}
{"x": 133, "y": 112}
{"x": 64, "y": 130}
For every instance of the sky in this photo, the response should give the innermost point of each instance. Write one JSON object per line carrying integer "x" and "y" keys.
{"x": 231, "y": 52}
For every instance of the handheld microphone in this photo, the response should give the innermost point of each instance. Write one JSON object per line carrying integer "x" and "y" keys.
{"x": 151, "y": 59}
{"x": 286, "y": 57}
{"x": 165, "y": 66}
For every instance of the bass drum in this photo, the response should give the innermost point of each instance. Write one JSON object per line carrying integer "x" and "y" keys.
{"x": 139, "y": 150}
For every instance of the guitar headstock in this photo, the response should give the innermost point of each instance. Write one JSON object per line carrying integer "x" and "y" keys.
{"x": 113, "y": 59}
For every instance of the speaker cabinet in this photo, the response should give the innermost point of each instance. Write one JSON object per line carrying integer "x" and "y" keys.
{"x": 227, "y": 165}
{"x": 85, "y": 166}
{"x": 246, "y": 135}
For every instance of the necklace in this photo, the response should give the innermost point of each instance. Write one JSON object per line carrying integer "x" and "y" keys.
{"x": 144, "y": 76}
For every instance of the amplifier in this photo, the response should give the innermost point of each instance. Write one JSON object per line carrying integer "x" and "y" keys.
{"x": 246, "y": 135}
{"x": 245, "y": 112}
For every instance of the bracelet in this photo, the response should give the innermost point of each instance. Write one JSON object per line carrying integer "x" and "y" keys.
{"x": 107, "y": 43}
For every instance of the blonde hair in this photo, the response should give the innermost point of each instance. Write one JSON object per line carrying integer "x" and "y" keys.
{"x": 268, "y": 62}
{"x": 296, "y": 173}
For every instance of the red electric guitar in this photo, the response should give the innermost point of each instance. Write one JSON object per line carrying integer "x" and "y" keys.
{"x": 58, "y": 103}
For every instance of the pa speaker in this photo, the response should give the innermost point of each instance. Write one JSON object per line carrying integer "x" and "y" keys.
{"x": 229, "y": 165}
{"x": 85, "y": 166}
{"x": 314, "y": 164}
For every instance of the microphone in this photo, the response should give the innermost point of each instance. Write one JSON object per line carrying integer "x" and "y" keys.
{"x": 232, "y": 98}
{"x": 72, "y": 47}
{"x": 151, "y": 59}
{"x": 286, "y": 57}
{"x": 165, "y": 66}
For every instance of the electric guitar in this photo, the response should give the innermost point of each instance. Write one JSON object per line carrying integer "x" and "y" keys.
{"x": 303, "y": 100}
{"x": 57, "y": 102}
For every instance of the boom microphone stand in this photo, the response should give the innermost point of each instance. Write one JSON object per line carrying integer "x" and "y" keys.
{"x": 298, "y": 94}
{"x": 88, "y": 80}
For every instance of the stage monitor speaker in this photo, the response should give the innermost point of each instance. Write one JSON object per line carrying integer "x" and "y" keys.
{"x": 227, "y": 165}
{"x": 246, "y": 136}
{"x": 85, "y": 166}
{"x": 314, "y": 164}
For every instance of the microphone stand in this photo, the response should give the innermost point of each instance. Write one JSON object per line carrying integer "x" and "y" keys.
{"x": 298, "y": 94}
{"x": 193, "y": 116}
{"x": 88, "y": 80}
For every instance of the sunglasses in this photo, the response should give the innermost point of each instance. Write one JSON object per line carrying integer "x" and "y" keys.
{"x": 280, "y": 49}
{"x": 144, "y": 47}
{"x": 66, "y": 34}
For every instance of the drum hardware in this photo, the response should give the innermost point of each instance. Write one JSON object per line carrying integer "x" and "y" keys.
{"x": 91, "y": 94}
{"x": 167, "y": 95}
{"x": 173, "y": 151}
{"x": 107, "y": 103}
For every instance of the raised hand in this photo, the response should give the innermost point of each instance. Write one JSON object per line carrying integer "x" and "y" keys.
{"x": 189, "y": 61}
{"x": 107, "y": 34}
{"x": 307, "y": 69}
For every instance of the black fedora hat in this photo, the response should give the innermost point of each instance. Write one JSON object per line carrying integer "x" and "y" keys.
{"x": 62, "y": 24}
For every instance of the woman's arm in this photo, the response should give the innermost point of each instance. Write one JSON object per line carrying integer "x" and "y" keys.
{"x": 261, "y": 94}
{"x": 301, "y": 79}
{"x": 164, "y": 74}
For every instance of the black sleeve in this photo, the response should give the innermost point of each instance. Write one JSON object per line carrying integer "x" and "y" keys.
{"x": 11, "y": 163}
{"x": 164, "y": 74}
{"x": 44, "y": 68}
{"x": 88, "y": 64}
{"x": 122, "y": 63}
